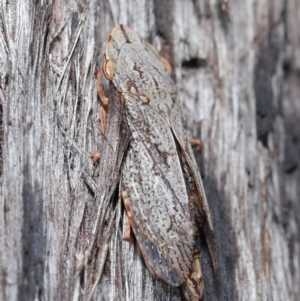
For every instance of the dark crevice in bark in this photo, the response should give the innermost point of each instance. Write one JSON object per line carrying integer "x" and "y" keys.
{"x": 220, "y": 286}
{"x": 164, "y": 28}
{"x": 194, "y": 63}
{"x": 292, "y": 147}
{"x": 224, "y": 13}
{"x": 264, "y": 70}
{"x": 164, "y": 19}
{"x": 33, "y": 240}
{"x": 1, "y": 139}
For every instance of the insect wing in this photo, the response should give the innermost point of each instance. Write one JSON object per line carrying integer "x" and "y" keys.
{"x": 199, "y": 197}
{"x": 155, "y": 196}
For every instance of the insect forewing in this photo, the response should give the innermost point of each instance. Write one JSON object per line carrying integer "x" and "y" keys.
{"x": 156, "y": 201}
{"x": 199, "y": 194}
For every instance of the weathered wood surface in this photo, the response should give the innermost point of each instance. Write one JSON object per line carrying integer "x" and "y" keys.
{"x": 237, "y": 68}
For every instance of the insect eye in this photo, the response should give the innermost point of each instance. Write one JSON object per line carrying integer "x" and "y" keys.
{"x": 108, "y": 69}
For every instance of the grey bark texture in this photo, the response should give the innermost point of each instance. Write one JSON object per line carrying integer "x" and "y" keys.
{"x": 237, "y": 68}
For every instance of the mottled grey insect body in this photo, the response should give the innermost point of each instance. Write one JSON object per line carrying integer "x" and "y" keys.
{"x": 160, "y": 183}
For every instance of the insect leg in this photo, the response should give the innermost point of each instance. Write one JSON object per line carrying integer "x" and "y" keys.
{"x": 194, "y": 285}
{"x": 127, "y": 236}
{"x": 196, "y": 142}
{"x": 127, "y": 221}
{"x": 104, "y": 100}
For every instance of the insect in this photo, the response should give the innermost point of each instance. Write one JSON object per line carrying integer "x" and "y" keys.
{"x": 160, "y": 183}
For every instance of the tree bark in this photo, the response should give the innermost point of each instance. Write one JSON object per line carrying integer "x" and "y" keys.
{"x": 236, "y": 65}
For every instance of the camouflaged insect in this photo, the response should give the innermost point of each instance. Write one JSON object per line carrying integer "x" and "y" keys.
{"x": 160, "y": 183}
